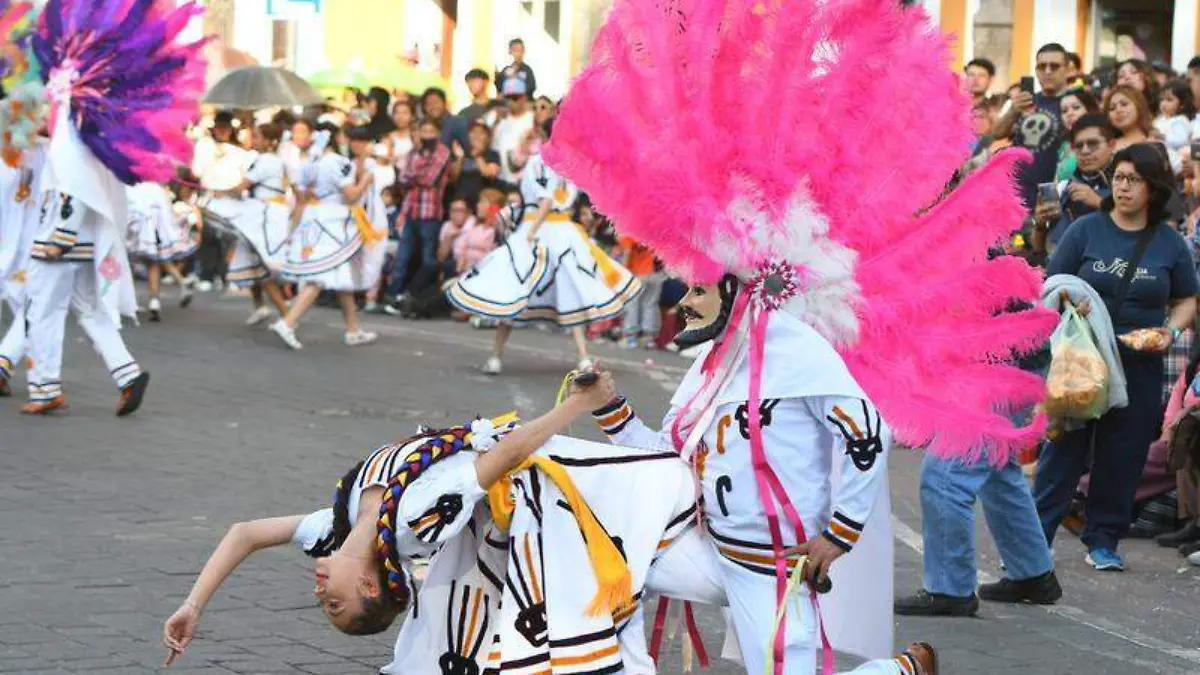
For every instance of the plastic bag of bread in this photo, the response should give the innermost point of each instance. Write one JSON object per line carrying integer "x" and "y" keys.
{"x": 1145, "y": 340}
{"x": 1077, "y": 383}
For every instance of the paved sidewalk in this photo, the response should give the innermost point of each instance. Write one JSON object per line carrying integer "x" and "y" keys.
{"x": 105, "y": 522}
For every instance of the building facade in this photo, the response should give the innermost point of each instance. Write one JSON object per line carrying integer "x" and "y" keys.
{"x": 446, "y": 37}
{"x": 1102, "y": 32}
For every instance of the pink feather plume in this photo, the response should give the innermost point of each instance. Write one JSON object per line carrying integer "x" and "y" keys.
{"x": 691, "y": 106}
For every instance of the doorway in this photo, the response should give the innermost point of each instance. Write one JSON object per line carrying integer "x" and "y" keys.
{"x": 1133, "y": 29}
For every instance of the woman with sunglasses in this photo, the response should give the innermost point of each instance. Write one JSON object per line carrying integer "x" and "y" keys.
{"x": 1158, "y": 297}
{"x": 1082, "y": 192}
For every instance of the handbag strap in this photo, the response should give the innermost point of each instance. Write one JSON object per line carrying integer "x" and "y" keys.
{"x": 1139, "y": 251}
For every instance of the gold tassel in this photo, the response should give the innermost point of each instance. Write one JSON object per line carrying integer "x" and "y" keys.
{"x": 613, "y": 579}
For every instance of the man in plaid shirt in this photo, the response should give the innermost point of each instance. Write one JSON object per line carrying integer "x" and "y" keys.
{"x": 425, "y": 173}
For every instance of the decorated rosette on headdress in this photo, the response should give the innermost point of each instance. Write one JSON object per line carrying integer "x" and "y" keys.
{"x": 717, "y": 133}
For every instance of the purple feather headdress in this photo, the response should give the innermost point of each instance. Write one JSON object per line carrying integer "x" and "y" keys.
{"x": 131, "y": 88}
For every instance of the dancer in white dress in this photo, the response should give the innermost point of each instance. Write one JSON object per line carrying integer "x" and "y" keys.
{"x": 332, "y": 245}
{"x": 161, "y": 236}
{"x": 19, "y": 190}
{"x": 260, "y": 224}
{"x": 549, "y": 269}
{"x": 22, "y": 153}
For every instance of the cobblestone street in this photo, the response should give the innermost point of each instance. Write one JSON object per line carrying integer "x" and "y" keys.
{"x": 104, "y": 522}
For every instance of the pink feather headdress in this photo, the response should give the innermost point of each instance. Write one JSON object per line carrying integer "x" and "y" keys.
{"x": 799, "y": 145}
{"x": 131, "y": 86}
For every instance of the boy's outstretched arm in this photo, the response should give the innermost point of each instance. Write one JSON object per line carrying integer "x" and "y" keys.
{"x": 517, "y": 446}
{"x": 237, "y": 545}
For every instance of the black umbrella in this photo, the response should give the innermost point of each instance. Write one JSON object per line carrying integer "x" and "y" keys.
{"x": 262, "y": 87}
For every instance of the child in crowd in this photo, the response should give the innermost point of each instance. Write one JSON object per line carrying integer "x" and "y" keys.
{"x": 390, "y": 203}
{"x": 477, "y": 240}
{"x": 1176, "y": 108}
{"x": 641, "y": 317}
{"x": 480, "y": 235}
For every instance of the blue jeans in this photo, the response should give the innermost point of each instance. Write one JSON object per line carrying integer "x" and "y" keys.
{"x": 948, "y": 492}
{"x": 1117, "y": 445}
{"x": 417, "y": 236}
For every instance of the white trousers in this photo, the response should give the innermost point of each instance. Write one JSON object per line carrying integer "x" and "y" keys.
{"x": 693, "y": 570}
{"x": 12, "y": 346}
{"x": 54, "y": 288}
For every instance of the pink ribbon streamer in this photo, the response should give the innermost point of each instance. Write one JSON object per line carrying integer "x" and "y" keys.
{"x": 768, "y": 486}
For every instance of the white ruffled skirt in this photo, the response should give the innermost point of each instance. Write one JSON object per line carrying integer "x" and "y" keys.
{"x": 262, "y": 230}
{"x": 562, "y": 277}
{"x": 156, "y": 234}
{"x": 328, "y": 249}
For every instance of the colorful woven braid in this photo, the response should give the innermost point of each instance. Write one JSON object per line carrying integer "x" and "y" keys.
{"x": 438, "y": 446}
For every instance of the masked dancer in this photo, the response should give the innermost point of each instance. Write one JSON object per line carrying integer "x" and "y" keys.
{"x": 826, "y": 331}
{"x": 101, "y": 69}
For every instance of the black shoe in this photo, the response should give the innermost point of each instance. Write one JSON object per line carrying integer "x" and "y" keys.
{"x": 1042, "y": 590}
{"x": 1186, "y": 535}
{"x": 131, "y": 395}
{"x": 925, "y": 603}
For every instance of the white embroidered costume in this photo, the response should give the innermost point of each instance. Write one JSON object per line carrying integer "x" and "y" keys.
{"x": 82, "y": 213}
{"x": 19, "y": 198}
{"x": 828, "y": 447}
{"x": 259, "y": 222}
{"x": 157, "y": 233}
{"x": 561, "y": 277}
{"x": 721, "y": 152}
{"x": 330, "y": 247}
{"x": 123, "y": 89}
{"x": 516, "y": 596}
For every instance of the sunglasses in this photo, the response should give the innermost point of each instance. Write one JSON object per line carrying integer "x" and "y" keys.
{"x": 1090, "y": 145}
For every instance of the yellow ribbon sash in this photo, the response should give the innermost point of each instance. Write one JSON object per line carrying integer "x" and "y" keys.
{"x": 613, "y": 579}
{"x": 365, "y": 228}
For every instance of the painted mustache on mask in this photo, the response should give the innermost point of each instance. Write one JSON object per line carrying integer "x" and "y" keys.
{"x": 690, "y": 314}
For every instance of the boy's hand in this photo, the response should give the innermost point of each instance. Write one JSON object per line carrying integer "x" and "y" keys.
{"x": 595, "y": 396}
{"x": 179, "y": 630}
